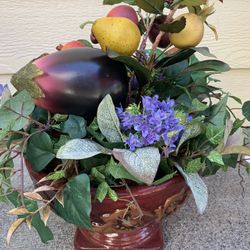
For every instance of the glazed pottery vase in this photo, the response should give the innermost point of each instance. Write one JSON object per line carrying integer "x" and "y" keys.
{"x": 134, "y": 221}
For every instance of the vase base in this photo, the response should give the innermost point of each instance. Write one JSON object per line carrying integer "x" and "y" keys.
{"x": 85, "y": 240}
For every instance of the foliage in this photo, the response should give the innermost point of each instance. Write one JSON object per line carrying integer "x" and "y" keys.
{"x": 176, "y": 121}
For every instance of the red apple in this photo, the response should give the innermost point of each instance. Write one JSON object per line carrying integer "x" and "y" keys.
{"x": 70, "y": 45}
{"x": 124, "y": 11}
{"x": 155, "y": 30}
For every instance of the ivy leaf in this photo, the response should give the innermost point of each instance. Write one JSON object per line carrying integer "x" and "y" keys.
{"x": 214, "y": 134}
{"x": 174, "y": 27}
{"x": 216, "y": 157}
{"x": 142, "y": 164}
{"x": 74, "y": 126}
{"x": 246, "y": 110}
{"x": 40, "y": 151}
{"x": 14, "y": 112}
{"x": 192, "y": 130}
{"x": 102, "y": 191}
{"x": 198, "y": 188}
{"x": 108, "y": 121}
{"x": 236, "y": 125}
{"x": 194, "y": 166}
{"x": 151, "y": 6}
{"x": 198, "y": 106}
{"x": 77, "y": 202}
{"x": 78, "y": 149}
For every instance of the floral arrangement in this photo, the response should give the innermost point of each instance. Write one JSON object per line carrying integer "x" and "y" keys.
{"x": 122, "y": 115}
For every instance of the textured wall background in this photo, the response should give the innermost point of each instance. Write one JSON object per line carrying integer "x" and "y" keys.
{"x": 29, "y": 28}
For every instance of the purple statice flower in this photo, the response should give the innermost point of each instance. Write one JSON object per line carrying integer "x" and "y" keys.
{"x": 155, "y": 123}
{"x": 2, "y": 87}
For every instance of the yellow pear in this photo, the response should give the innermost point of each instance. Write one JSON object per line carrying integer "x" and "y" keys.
{"x": 191, "y": 35}
{"x": 119, "y": 34}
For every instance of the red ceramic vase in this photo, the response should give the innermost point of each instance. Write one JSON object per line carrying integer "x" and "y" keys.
{"x": 121, "y": 225}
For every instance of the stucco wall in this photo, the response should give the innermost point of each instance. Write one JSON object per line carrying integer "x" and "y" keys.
{"x": 29, "y": 28}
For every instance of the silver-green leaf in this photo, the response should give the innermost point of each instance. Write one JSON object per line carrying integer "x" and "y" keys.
{"x": 142, "y": 164}
{"x": 79, "y": 149}
{"x": 198, "y": 188}
{"x": 108, "y": 121}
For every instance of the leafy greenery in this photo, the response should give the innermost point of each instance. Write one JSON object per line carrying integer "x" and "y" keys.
{"x": 75, "y": 155}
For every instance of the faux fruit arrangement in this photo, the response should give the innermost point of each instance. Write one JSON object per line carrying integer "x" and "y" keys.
{"x": 90, "y": 121}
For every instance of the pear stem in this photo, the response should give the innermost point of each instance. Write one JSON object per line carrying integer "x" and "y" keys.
{"x": 82, "y": 26}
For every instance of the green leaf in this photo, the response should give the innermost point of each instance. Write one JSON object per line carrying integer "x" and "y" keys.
{"x": 60, "y": 174}
{"x": 236, "y": 98}
{"x": 108, "y": 121}
{"x": 208, "y": 65}
{"x": 78, "y": 149}
{"x": 236, "y": 125}
{"x": 248, "y": 168}
{"x": 97, "y": 175}
{"x": 204, "y": 51}
{"x": 193, "y": 166}
{"x": 77, "y": 202}
{"x": 164, "y": 178}
{"x": 102, "y": 191}
{"x": 219, "y": 112}
{"x": 75, "y": 127}
{"x": 142, "y": 164}
{"x": 246, "y": 110}
{"x": 215, "y": 156}
{"x": 198, "y": 106}
{"x": 214, "y": 134}
{"x": 151, "y": 6}
{"x": 173, "y": 59}
{"x": 198, "y": 188}
{"x": 192, "y": 130}
{"x": 43, "y": 231}
{"x": 118, "y": 171}
{"x": 113, "y": 195}
{"x": 14, "y": 113}
{"x": 40, "y": 151}
{"x": 143, "y": 75}
{"x": 174, "y": 27}
{"x": 62, "y": 141}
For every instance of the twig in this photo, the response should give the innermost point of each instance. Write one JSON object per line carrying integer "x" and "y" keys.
{"x": 132, "y": 196}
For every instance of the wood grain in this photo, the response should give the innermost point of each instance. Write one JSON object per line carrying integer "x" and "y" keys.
{"x": 29, "y": 28}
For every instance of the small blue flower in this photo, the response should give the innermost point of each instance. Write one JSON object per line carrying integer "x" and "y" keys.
{"x": 156, "y": 123}
{"x": 2, "y": 87}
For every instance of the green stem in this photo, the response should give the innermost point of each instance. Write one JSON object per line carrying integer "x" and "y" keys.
{"x": 82, "y": 26}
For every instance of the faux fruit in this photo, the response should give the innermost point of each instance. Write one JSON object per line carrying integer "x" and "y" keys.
{"x": 73, "y": 44}
{"x": 93, "y": 39}
{"x": 74, "y": 81}
{"x": 155, "y": 30}
{"x": 118, "y": 34}
{"x": 191, "y": 35}
{"x": 124, "y": 11}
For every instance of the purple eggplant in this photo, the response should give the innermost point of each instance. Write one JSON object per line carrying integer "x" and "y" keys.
{"x": 73, "y": 81}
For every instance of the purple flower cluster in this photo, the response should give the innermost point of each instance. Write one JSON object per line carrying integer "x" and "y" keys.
{"x": 155, "y": 123}
{"x": 2, "y": 87}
